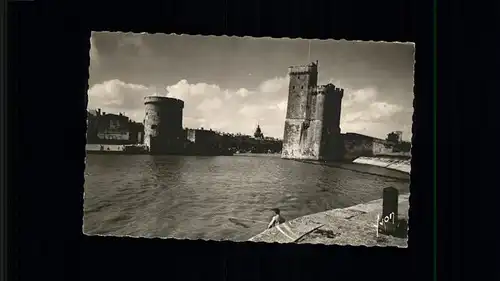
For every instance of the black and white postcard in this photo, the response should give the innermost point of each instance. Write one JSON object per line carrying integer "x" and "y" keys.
{"x": 249, "y": 139}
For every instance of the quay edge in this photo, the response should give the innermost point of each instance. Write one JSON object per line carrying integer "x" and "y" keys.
{"x": 354, "y": 226}
{"x": 402, "y": 164}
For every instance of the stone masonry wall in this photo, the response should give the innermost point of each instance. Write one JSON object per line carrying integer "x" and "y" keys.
{"x": 312, "y": 128}
{"x": 331, "y": 147}
{"x": 299, "y": 133}
{"x": 382, "y": 147}
{"x": 163, "y": 130}
{"x": 291, "y": 139}
{"x": 356, "y": 145}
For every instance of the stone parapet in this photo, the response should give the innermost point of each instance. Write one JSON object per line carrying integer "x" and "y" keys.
{"x": 163, "y": 100}
{"x": 310, "y": 68}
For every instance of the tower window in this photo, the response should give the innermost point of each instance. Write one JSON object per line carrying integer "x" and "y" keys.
{"x": 298, "y": 77}
{"x": 293, "y": 87}
{"x": 302, "y": 87}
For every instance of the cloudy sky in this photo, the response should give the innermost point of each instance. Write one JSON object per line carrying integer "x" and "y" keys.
{"x": 231, "y": 84}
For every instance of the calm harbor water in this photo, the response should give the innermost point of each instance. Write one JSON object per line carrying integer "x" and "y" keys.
{"x": 195, "y": 197}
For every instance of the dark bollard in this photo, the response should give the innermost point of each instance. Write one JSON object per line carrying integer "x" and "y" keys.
{"x": 390, "y": 202}
{"x": 388, "y": 222}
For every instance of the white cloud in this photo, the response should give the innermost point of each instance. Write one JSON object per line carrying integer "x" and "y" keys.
{"x": 207, "y": 90}
{"x": 353, "y": 97}
{"x": 351, "y": 117}
{"x": 183, "y": 89}
{"x": 251, "y": 111}
{"x": 243, "y": 92}
{"x": 380, "y": 109}
{"x": 116, "y": 96}
{"x": 206, "y": 105}
{"x": 210, "y": 104}
{"x": 274, "y": 85}
{"x": 281, "y": 106}
{"x": 363, "y": 113}
{"x": 375, "y": 111}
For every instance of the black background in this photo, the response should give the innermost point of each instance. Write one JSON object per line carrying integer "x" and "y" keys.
{"x": 48, "y": 71}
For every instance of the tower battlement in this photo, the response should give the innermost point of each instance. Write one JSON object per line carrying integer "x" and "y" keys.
{"x": 163, "y": 100}
{"x": 328, "y": 89}
{"x": 325, "y": 88}
{"x": 155, "y": 99}
{"x": 299, "y": 69}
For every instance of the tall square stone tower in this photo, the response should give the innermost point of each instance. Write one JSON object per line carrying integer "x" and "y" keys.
{"x": 312, "y": 125}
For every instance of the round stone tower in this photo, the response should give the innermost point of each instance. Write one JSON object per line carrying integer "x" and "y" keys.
{"x": 163, "y": 132}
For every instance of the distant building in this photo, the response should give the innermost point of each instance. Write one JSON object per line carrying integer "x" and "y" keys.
{"x": 258, "y": 133}
{"x": 113, "y": 127}
{"x": 108, "y": 128}
{"x": 92, "y": 123}
{"x": 136, "y": 130}
{"x": 395, "y": 137}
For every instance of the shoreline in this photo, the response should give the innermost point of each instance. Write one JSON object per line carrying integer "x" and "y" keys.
{"x": 388, "y": 162}
{"x": 385, "y": 162}
{"x": 354, "y": 226}
{"x": 136, "y": 149}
